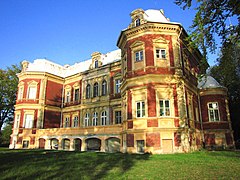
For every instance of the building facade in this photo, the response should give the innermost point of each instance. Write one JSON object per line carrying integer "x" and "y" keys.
{"x": 143, "y": 97}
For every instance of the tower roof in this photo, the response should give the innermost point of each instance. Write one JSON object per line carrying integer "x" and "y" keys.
{"x": 208, "y": 82}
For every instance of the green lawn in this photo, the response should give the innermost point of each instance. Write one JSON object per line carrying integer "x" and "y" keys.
{"x": 40, "y": 164}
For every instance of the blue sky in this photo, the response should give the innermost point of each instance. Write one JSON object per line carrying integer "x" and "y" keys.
{"x": 68, "y": 31}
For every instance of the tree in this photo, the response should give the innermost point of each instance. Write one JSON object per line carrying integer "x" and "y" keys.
{"x": 8, "y": 89}
{"x": 5, "y": 135}
{"x": 227, "y": 73}
{"x": 211, "y": 19}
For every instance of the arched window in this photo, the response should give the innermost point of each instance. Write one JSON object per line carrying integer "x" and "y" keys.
{"x": 88, "y": 90}
{"x": 95, "y": 119}
{"x": 96, "y": 63}
{"x": 104, "y": 118}
{"x": 86, "y": 120}
{"x": 137, "y": 22}
{"x": 95, "y": 90}
{"x": 104, "y": 88}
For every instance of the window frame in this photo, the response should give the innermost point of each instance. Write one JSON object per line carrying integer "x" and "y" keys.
{"x": 95, "y": 89}
{"x": 117, "y": 85}
{"x": 29, "y": 94}
{"x": 160, "y": 54}
{"x": 104, "y": 118}
{"x": 75, "y": 121}
{"x": 86, "y": 120}
{"x": 137, "y": 22}
{"x": 28, "y": 123}
{"x": 104, "y": 87}
{"x": 20, "y": 92}
{"x": 141, "y": 110}
{"x": 96, "y": 63}
{"x": 164, "y": 108}
{"x": 88, "y": 91}
{"x": 117, "y": 117}
{"x": 214, "y": 111}
{"x": 138, "y": 56}
{"x": 78, "y": 94}
{"x": 95, "y": 119}
{"x": 17, "y": 120}
{"x": 67, "y": 122}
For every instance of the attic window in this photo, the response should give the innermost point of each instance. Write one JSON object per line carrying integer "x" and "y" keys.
{"x": 137, "y": 22}
{"x": 96, "y": 63}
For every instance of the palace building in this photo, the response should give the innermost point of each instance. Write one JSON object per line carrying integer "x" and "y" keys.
{"x": 144, "y": 97}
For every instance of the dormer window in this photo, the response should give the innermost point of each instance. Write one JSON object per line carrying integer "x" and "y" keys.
{"x": 96, "y": 64}
{"x": 137, "y": 22}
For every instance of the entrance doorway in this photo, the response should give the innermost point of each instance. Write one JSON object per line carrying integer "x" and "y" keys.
{"x": 140, "y": 146}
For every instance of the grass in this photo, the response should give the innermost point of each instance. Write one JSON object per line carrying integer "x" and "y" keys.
{"x": 42, "y": 164}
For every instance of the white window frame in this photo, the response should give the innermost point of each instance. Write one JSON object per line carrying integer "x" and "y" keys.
{"x": 86, "y": 120}
{"x": 137, "y": 22}
{"x": 139, "y": 56}
{"x": 160, "y": 54}
{"x": 95, "y": 119}
{"x": 28, "y": 122}
{"x": 215, "y": 110}
{"x": 20, "y": 92}
{"x": 32, "y": 92}
{"x": 141, "y": 111}
{"x": 104, "y": 118}
{"x": 117, "y": 85}
{"x": 17, "y": 120}
{"x": 164, "y": 111}
{"x": 68, "y": 96}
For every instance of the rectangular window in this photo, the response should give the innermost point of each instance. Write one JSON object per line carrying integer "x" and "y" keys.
{"x": 213, "y": 111}
{"x": 76, "y": 94}
{"x": 32, "y": 92}
{"x": 161, "y": 53}
{"x": 138, "y": 56}
{"x": 67, "y": 122}
{"x": 67, "y": 96}
{"x": 75, "y": 121}
{"x": 164, "y": 108}
{"x": 140, "y": 109}
{"x": 25, "y": 144}
{"x": 117, "y": 85}
{"x": 29, "y": 121}
{"x": 17, "y": 120}
{"x": 118, "y": 117}
{"x": 20, "y": 93}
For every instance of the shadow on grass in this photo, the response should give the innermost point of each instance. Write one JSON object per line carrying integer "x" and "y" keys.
{"x": 40, "y": 164}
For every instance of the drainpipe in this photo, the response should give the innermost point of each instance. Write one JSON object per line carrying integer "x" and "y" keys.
{"x": 200, "y": 116}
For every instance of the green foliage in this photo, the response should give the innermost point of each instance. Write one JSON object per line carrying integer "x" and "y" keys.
{"x": 211, "y": 19}
{"x": 8, "y": 89}
{"x": 40, "y": 164}
{"x": 227, "y": 73}
{"x": 5, "y": 135}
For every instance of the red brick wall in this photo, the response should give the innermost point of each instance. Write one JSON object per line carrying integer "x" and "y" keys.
{"x": 152, "y": 123}
{"x": 209, "y": 139}
{"x": 53, "y": 93}
{"x": 151, "y": 100}
{"x": 129, "y": 106}
{"x": 175, "y": 100}
{"x": 213, "y": 98}
{"x": 19, "y": 141}
{"x": 229, "y": 139}
{"x": 130, "y": 124}
{"x": 130, "y": 140}
{"x": 177, "y": 139}
{"x": 32, "y": 140}
{"x": 216, "y": 125}
{"x": 153, "y": 139}
{"x": 52, "y": 119}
